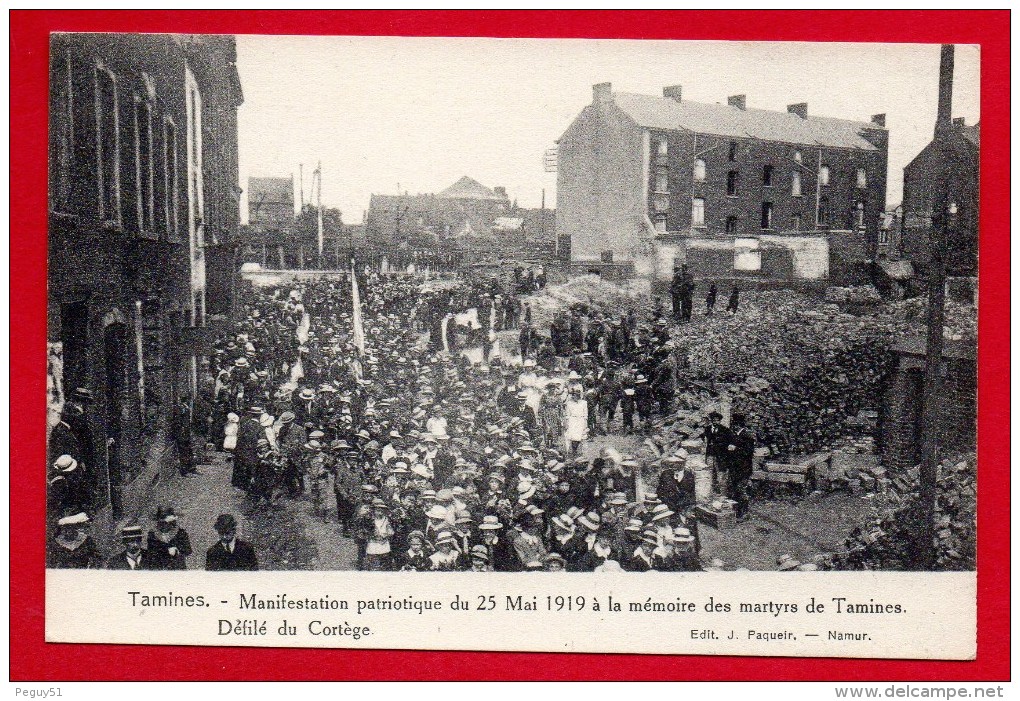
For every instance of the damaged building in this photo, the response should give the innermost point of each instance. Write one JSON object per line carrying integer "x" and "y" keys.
{"x": 646, "y": 183}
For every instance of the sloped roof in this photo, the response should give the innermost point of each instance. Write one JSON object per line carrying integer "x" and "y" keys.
{"x": 724, "y": 120}
{"x": 469, "y": 189}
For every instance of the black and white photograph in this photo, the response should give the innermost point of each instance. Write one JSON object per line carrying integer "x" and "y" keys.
{"x": 426, "y": 305}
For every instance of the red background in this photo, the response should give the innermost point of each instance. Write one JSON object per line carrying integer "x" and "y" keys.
{"x": 33, "y": 659}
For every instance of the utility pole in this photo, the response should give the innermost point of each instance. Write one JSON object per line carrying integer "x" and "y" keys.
{"x": 942, "y": 218}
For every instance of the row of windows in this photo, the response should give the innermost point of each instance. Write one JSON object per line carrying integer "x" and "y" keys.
{"x": 155, "y": 161}
{"x": 767, "y": 209}
{"x": 701, "y": 174}
{"x": 701, "y": 171}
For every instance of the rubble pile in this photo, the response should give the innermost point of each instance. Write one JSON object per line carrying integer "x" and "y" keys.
{"x": 589, "y": 290}
{"x": 889, "y": 539}
{"x": 860, "y": 295}
{"x": 854, "y": 467}
{"x": 960, "y": 322}
{"x": 796, "y": 369}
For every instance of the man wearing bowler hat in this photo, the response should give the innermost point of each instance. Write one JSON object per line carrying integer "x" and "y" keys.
{"x": 230, "y": 552}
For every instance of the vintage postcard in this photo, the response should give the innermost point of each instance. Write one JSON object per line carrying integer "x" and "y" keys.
{"x": 558, "y": 345}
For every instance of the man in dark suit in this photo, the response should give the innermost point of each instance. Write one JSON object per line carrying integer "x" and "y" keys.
{"x": 676, "y": 485}
{"x": 133, "y": 557}
{"x": 741, "y": 462}
{"x": 246, "y": 454}
{"x": 72, "y": 436}
{"x": 677, "y": 490}
{"x": 230, "y": 552}
{"x": 717, "y": 441}
{"x": 181, "y": 430}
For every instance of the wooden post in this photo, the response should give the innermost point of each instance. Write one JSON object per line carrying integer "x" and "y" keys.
{"x": 941, "y": 218}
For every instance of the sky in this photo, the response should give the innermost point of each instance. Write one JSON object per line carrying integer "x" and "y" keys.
{"x": 382, "y": 113}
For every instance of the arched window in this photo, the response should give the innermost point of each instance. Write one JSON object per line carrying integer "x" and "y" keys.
{"x": 862, "y": 178}
{"x": 797, "y": 157}
{"x": 699, "y": 171}
{"x": 145, "y": 169}
{"x": 823, "y": 175}
{"x": 662, "y": 148}
{"x": 107, "y": 145}
{"x": 795, "y": 184}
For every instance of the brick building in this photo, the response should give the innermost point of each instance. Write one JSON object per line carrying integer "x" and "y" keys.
{"x": 732, "y": 191}
{"x": 901, "y": 411}
{"x": 951, "y": 159}
{"x": 143, "y": 202}
{"x": 271, "y": 203}
{"x": 440, "y": 224}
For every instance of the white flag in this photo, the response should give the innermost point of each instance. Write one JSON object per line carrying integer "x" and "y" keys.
{"x": 359, "y": 325}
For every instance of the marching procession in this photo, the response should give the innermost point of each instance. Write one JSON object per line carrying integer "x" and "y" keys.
{"x": 404, "y": 420}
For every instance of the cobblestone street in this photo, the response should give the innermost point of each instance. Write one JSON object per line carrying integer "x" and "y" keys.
{"x": 287, "y": 537}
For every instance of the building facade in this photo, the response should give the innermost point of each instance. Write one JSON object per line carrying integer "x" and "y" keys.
{"x": 953, "y": 156}
{"x": 941, "y": 186}
{"x": 729, "y": 190}
{"x": 271, "y": 203}
{"x": 142, "y": 207}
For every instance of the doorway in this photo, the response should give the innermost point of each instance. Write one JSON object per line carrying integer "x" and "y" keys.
{"x": 115, "y": 363}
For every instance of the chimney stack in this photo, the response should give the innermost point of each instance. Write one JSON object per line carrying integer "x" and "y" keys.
{"x": 959, "y": 121}
{"x": 878, "y": 120}
{"x": 601, "y": 93}
{"x": 799, "y": 109}
{"x": 738, "y": 101}
{"x": 673, "y": 92}
{"x": 500, "y": 191}
{"x": 944, "y": 119}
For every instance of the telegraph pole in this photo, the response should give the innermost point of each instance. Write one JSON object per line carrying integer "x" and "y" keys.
{"x": 942, "y": 217}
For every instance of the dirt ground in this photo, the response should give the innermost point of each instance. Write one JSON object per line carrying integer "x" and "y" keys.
{"x": 287, "y": 537}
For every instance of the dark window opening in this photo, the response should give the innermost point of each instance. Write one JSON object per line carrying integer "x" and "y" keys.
{"x": 114, "y": 351}
{"x": 823, "y": 211}
{"x": 731, "y": 183}
{"x": 731, "y": 225}
{"x": 74, "y": 322}
{"x": 766, "y": 176}
{"x": 733, "y": 150}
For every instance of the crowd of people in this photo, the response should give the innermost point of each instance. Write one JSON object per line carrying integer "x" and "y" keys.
{"x": 429, "y": 459}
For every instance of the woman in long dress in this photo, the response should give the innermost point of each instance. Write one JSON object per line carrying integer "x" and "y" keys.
{"x": 576, "y": 420}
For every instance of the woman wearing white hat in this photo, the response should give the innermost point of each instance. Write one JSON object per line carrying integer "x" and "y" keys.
{"x": 73, "y": 547}
{"x": 576, "y": 425}
{"x": 446, "y": 558}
